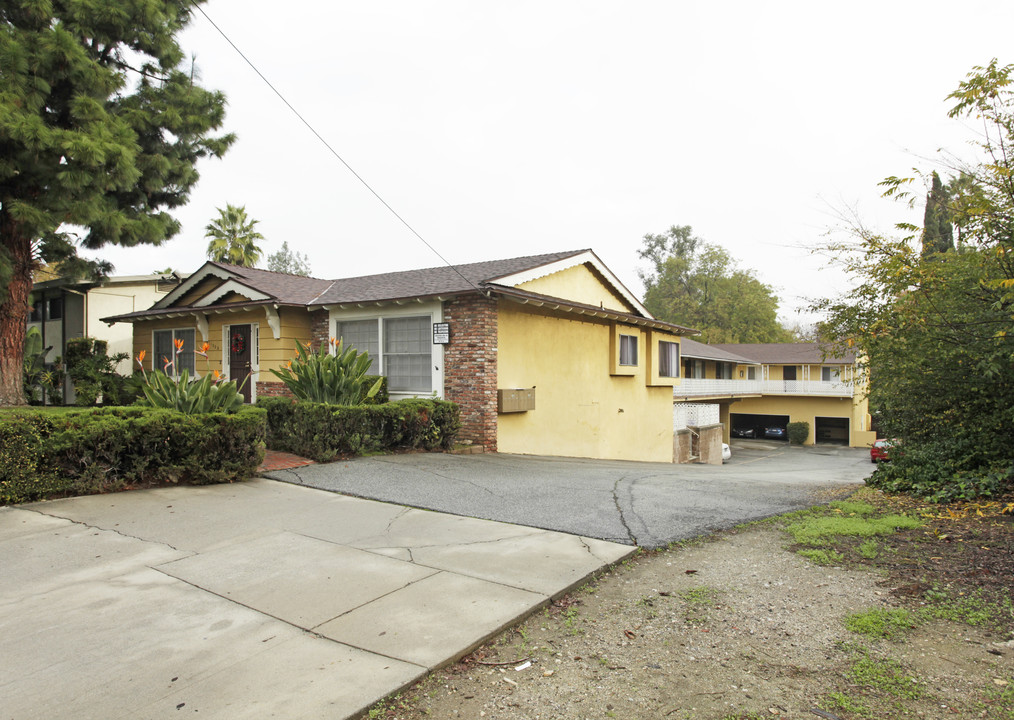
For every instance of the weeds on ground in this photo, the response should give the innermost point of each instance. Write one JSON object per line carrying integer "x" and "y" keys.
{"x": 845, "y": 703}
{"x": 891, "y": 624}
{"x": 886, "y": 676}
{"x": 822, "y": 557}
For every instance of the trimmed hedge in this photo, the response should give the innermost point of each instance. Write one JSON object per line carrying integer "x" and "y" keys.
{"x": 108, "y": 449}
{"x": 325, "y": 432}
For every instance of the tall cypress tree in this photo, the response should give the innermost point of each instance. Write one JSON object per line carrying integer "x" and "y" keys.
{"x": 100, "y": 129}
{"x": 937, "y": 230}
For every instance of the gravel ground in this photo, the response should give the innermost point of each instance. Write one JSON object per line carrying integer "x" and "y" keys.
{"x": 735, "y": 627}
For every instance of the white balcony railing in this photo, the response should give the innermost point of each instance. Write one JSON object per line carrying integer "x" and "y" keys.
{"x": 691, "y": 387}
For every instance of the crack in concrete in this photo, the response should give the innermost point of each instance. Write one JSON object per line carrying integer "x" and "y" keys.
{"x": 448, "y": 544}
{"x": 104, "y": 529}
{"x": 623, "y": 519}
{"x": 396, "y": 518}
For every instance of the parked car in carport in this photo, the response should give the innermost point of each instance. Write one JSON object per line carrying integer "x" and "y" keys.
{"x": 744, "y": 432}
{"x": 774, "y": 432}
{"x": 881, "y": 450}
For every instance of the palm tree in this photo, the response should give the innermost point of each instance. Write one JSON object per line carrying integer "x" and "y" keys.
{"x": 232, "y": 237}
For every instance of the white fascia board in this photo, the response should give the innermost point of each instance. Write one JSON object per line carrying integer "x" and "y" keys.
{"x": 588, "y": 257}
{"x": 230, "y": 286}
{"x": 207, "y": 270}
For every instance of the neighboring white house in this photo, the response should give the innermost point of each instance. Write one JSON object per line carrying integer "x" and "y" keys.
{"x": 63, "y": 309}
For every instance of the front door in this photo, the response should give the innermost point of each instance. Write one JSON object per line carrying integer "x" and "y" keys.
{"x": 239, "y": 358}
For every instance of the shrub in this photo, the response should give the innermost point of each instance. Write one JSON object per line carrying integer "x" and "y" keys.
{"x": 21, "y": 441}
{"x": 91, "y": 370}
{"x": 798, "y": 432}
{"x": 324, "y": 432}
{"x": 107, "y": 449}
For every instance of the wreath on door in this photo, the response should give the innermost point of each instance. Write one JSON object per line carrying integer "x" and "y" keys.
{"x": 238, "y": 344}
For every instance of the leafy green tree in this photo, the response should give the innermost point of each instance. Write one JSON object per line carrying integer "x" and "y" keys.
{"x": 233, "y": 237}
{"x": 288, "y": 261}
{"x": 698, "y": 285}
{"x": 937, "y": 232}
{"x": 101, "y": 126}
{"x": 936, "y": 332}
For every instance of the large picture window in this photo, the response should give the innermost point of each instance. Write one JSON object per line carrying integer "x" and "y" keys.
{"x": 164, "y": 347}
{"x": 400, "y": 348}
{"x": 668, "y": 359}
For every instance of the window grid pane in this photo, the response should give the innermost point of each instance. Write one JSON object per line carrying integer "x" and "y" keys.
{"x": 407, "y": 354}
{"x": 668, "y": 359}
{"x": 363, "y": 336}
{"x": 185, "y": 360}
{"x": 163, "y": 347}
{"x": 628, "y": 350}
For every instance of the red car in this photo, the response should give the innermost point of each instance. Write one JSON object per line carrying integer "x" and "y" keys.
{"x": 881, "y": 450}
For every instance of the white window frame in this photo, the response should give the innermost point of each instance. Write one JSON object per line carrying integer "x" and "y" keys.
{"x": 833, "y": 372}
{"x": 676, "y": 364}
{"x": 632, "y": 341}
{"x": 435, "y": 312}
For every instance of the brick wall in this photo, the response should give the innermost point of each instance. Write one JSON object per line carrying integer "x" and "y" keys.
{"x": 319, "y": 328}
{"x": 470, "y": 367}
{"x": 272, "y": 389}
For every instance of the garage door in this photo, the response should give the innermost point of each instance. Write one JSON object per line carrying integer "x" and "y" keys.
{"x": 832, "y": 431}
{"x": 758, "y": 426}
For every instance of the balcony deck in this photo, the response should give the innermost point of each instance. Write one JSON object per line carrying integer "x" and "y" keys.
{"x": 698, "y": 388}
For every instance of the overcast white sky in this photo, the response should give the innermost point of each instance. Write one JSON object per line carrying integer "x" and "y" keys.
{"x": 506, "y": 129}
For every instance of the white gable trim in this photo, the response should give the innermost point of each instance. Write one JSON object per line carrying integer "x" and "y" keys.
{"x": 208, "y": 270}
{"x": 574, "y": 260}
{"x": 230, "y": 286}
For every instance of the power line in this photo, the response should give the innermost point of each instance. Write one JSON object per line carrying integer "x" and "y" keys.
{"x": 331, "y": 149}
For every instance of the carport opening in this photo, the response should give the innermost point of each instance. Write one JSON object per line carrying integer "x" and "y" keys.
{"x": 758, "y": 427}
{"x": 832, "y": 431}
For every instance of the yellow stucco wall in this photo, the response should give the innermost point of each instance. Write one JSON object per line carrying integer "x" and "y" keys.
{"x": 807, "y": 409}
{"x": 580, "y": 284}
{"x": 581, "y": 410}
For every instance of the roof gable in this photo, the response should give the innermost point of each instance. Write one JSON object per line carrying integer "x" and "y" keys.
{"x": 214, "y": 280}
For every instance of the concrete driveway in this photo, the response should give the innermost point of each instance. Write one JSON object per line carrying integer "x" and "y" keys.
{"x": 646, "y": 504}
{"x": 254, "y": 600}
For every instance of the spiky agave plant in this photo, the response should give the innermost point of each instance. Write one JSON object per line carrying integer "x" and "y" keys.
{"x": 338, "y": 378}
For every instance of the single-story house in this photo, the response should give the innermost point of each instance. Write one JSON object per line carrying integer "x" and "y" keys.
{"x": 759, "y": 385}
{"x": 547, "y": 354}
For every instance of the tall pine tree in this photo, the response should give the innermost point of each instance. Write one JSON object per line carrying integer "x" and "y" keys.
{"x": 101, "y": 126}
{"x": 937, "y": 231}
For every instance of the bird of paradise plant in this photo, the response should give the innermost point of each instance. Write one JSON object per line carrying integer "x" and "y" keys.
{"x": 205, "y": 395}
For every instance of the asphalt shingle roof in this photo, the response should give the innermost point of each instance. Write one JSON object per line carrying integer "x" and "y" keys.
{"x": 786, "y": 353}
{"x": 693, "y": 349}
{"x": 283, "y": 287}
{"x": 430, "y": 282}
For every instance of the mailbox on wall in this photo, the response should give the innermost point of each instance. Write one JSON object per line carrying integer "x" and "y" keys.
{"x": 515, "y": 400}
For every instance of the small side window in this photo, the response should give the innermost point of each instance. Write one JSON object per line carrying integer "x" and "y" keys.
{"x": 668, "y": 359}
{"x": 628, "y": 350}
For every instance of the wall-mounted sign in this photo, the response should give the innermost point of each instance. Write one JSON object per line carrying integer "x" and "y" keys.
{"x": 441, "y": 333}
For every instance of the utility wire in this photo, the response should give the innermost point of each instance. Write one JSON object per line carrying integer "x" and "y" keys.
{"x": 331, "y": 149}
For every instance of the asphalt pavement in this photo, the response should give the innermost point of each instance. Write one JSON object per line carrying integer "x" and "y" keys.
{"x": 645, "y": 504}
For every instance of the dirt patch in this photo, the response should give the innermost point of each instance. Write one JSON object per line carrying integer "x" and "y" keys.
{"x": 741, "y": 626}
